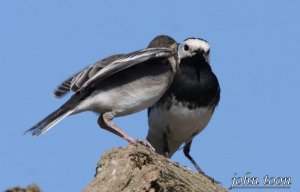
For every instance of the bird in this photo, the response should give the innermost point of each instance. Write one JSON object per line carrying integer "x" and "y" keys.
{"x": 188, "y": 105}
{"x": 116, "y": 86}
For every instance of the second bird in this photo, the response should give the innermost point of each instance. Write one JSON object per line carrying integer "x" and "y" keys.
{"x": 186, "y": 108}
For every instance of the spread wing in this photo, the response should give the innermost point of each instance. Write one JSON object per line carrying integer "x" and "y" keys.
{"x": 129, "y": 60}
{"x": 74, "y": 82}
{"x": 109, "y": 66}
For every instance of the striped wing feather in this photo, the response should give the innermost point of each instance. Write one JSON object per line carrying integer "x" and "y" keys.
{"x": 107, "y": 67}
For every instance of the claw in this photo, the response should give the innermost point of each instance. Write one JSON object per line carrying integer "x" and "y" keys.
{"x": 146, "y": 143}
{"x": 211, "y": 179}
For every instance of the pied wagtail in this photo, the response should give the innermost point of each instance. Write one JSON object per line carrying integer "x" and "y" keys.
{"x": 186, "y": 108}
{"x": 117, "y": 85}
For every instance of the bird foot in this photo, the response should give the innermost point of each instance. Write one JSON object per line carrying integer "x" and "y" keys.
{"x": 146, "y": 143}
{"x": 210, "y": 178}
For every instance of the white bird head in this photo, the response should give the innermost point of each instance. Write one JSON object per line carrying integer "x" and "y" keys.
{"x": 193, "y": 46}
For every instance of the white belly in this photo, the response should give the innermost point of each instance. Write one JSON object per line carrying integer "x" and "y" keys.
{"x": 125, "y": 99}
{"x": 179, "y": 123}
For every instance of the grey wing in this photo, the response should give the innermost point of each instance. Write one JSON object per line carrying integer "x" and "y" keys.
{"x": 126, "y": 61}
{"x": 65, "y": 86}
{"x": 75, "y": 82}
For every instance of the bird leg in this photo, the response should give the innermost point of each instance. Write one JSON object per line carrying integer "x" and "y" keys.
{"x": 105, "y": 122}
{"x": 166, "y": 145}
{"x": 186, "y": 151}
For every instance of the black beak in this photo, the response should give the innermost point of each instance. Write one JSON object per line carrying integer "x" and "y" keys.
{"x": 200, "y": 51}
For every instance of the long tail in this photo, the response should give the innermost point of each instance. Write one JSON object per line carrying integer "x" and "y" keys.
{"x": 55, "y": 117}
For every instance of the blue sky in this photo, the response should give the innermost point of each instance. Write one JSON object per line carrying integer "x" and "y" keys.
{"x": 254, "y": 52}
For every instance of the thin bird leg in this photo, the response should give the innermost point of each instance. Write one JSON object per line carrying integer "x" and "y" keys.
{"x": 186, "y": 151}
{"x": 166, "y": 145}
{"x": 105, "y": 122}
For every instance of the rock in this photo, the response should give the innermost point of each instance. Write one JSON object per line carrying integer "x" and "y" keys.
{"x": 137, "y": 169}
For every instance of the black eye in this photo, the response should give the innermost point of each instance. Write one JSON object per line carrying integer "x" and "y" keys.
{"x": 186, "y": 47}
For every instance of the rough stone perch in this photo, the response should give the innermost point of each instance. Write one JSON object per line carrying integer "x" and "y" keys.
{"x": 137, "y": 169}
